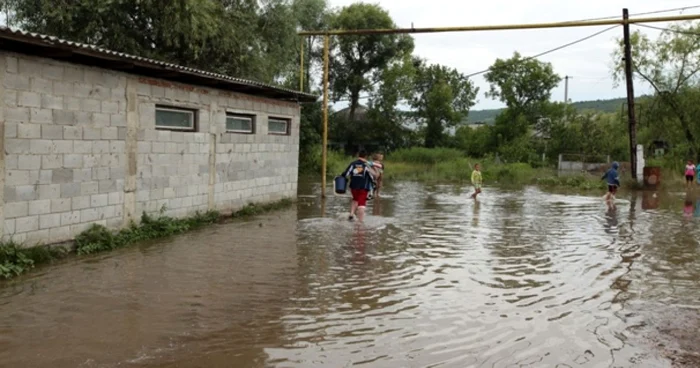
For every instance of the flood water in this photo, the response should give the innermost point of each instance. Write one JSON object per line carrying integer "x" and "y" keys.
{"x": 519, "y": 279}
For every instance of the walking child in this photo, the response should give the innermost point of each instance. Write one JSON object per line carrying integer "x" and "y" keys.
{"x": 361, "y": 181}
{"x": 689, "y": 174}
{"x": 613, "y": 179}
{"x": 476, "y": 180}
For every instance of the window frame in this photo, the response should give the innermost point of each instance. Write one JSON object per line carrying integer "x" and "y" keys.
{"x": 251, "y": 117}
{"x": 288, "y": 121}
{"x": 191, "y": 111}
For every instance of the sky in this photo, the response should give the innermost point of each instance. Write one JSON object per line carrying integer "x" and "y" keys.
{"x": 589, "y": 63}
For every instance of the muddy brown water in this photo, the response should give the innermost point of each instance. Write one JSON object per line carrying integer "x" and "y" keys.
{"x": 520, "y": 279}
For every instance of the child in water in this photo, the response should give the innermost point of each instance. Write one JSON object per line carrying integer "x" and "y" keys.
{"x": 378, "y": 167}
{"x": 613, "y": 179}
{"x": 361, "y": 177}
{"x": 689, "y": 174}
{"x": 476, "y": 180}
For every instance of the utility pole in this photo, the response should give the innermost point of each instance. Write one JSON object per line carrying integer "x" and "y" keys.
{"x": 632, "y": 121}
{"x": 324, "y": 149}
{"x": 566, "y": 89}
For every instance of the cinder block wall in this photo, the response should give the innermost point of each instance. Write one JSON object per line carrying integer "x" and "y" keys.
{"x": 81, "y": 147}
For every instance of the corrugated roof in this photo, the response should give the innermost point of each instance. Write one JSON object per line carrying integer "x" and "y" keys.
{"x": 20, "y": 41}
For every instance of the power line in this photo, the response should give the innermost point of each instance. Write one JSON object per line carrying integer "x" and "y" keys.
{"x": 554, "y": 49}
{"x": 582, "y": 39}
{"x": 587, "y": 77}
{"x": 679, "y": 31}
{"x": 524, "y": 59}
{"x": 667, "y": 10}
{"x": 637, "y": 14}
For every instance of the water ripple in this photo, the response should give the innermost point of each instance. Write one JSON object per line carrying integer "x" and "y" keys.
{"x": 431, "y": 279}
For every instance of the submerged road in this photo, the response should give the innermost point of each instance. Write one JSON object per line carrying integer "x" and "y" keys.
{"x": 432, "y": 279}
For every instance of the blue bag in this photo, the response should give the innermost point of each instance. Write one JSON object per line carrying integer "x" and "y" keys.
{"x": 340, "y": 185}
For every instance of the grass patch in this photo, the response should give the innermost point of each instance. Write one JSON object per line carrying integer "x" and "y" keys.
{"x": 253, "y": 209}
{"x": 99, "y": 239}
{"x": 16, "y": 260}
{"x": 452, "y": 165}
{"x": 447, "y": 165}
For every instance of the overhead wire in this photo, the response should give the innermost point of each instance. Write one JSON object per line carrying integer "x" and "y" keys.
{"x": 679, "y": 31}
{"x": 554, "y": 49}
{"x": 637, "y": 14}
{"x": 583, "y": 39}
{"x": 524, "y": 59}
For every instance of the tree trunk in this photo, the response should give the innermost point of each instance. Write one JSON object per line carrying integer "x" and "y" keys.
{"x": 682, "y": 118}
{"x": 354, "y": 102}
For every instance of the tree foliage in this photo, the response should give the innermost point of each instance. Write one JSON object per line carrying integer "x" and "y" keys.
{"x": 257, "y": 40}
{"x": 671, "y": 66}
{"x": 358, "y": 60}
{"x": 244, "y": 38}
{"x": 442, "y": 97}
{"x": 523, "y": 84}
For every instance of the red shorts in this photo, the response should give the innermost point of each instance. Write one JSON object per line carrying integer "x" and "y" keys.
{"x": 360, "y": 196}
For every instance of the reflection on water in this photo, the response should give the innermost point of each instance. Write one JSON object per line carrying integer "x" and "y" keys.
{"x": 432, "y": 278}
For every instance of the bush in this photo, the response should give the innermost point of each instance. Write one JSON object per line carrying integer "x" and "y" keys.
{"x": 99, "y": 239}
{"x": 15, "y": 260}
{"x": 337, "y": 163}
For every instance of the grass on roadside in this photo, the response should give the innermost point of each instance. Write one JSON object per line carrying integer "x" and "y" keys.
{"x": 16, "y": 259}
{"x": 451, "y": 165}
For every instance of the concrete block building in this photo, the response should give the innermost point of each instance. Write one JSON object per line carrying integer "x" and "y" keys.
{"x": 96, "y": 136}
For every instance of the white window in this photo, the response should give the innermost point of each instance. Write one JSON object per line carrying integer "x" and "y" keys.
{"x": 278, "y": 126}
{"x": 240, "y": 123}
{"x": 175, "y": 119}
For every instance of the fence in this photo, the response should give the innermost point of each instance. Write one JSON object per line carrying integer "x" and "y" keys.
{"x": 573, "y": 163}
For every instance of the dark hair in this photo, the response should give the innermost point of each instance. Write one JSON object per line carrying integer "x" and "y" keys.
{"x": 362, "y": 154}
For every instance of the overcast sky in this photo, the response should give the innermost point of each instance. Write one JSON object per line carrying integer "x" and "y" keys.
{"x": 589, "y": 62}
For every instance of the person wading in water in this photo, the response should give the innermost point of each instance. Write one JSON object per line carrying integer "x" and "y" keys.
{"x": 361, "y": 180}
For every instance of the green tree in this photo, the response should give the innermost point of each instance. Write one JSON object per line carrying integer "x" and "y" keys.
{"x": 523, "y": 84}
{"x": 244, "y": 38}
{"x": 475, "y": 142}
{"x": 387, "y": 122}
{"x": 310, "y": 15}
{"x": 442, "y": 98}
{"x": 671, "y": 66}
{"x": 357, "y": 60}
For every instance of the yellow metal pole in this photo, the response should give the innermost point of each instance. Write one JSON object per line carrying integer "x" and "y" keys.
{"x": 301, "y": 65}
{"x": 503, "y": 27}
{"x": 326, "y": 41}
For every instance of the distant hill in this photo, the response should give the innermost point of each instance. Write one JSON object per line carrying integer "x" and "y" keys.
{"x": 613, "y": 105}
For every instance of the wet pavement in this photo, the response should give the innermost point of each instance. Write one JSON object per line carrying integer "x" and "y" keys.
{"x": 431, "y": 279}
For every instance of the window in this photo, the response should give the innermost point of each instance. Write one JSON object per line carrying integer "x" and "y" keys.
{"x": 278, "y": 126}
{"x": 240, "y": 123}
{"x": 175, "y": 119}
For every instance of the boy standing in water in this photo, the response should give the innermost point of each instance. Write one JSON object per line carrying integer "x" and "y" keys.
{"x": 476, "y": 180}
{"x": 361, "y": 178}
{"x": 613, "y": 179}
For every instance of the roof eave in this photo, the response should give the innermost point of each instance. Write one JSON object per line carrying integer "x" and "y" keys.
{"x": 53, "y": 48}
